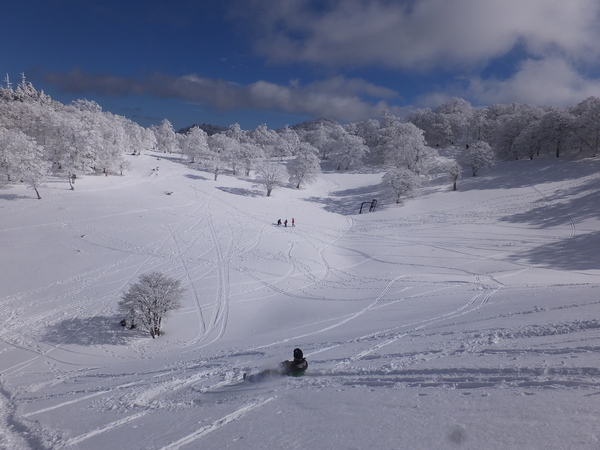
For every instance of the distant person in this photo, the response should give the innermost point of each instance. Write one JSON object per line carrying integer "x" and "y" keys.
{"x": 293, "y": 368}
{"x": 279, "y": 222}
{"x": 285, "y": 223}
{"x": 293, "y": 222}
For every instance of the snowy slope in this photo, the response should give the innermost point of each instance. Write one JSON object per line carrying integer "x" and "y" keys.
{"x": 461, "y": 319}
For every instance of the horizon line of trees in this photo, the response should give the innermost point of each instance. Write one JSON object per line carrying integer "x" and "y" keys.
{"x": 40, "y": 137}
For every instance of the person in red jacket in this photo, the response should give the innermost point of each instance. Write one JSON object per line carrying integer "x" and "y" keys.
{"x": 293, "y": 368}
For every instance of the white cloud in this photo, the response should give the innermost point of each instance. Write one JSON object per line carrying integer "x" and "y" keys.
{"x": 422, "y": 34}
{"x": 551, "y": 81}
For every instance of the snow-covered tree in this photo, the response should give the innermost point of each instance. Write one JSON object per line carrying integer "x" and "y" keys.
{"x": 368, "y": 130}
{"x": 452, "y": 169}
{"x": 250, "y": 154}
{"x": 392, "y": 135}
{"x": 81, "y": 140}
{"x": 288, "y": 143}
{"x": 222, "y": 151}
{"x": 151, "y": 299}
{"x": 124, "y": 165}
{"x": 347, "y": 150}
{"x": 507, "y": 135}
{"x": 555, "y": 129}
{"x": 458, "y": 113}
{"x": 480, "y": 155}
{"x": 586, "y": 125}
{"x": 321, "y": 139}
{"x": 305, "y": 167}
{"x": 528, "y": 142}
{"x": 270, "y": 175}
{"x": 401, "y": 181}
{"x": 265, "y": 139}
{"x": 403, "y": 145}
{"x": 22, "y": 159}
{"x": 194, "y": 144}
{"x": 166, "y": 140}
{"x": 235, "y": 132}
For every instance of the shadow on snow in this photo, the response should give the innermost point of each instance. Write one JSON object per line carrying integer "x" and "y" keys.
{"x": 98, "y": 330}
{"x": 577, "y": 253}
{"x": 348, "y": 201}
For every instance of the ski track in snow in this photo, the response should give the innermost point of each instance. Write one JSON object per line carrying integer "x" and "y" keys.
{"x": 216, "y": 425}
{"x": 137, "y": 395}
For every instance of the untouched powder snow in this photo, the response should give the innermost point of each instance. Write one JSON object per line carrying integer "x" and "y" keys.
{"x": 465, "y": 319}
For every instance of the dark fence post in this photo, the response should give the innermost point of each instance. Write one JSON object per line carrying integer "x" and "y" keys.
{"x": 371, "y": 204}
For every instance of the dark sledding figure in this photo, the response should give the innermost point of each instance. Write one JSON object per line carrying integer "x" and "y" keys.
{"x": 293, "y": 368}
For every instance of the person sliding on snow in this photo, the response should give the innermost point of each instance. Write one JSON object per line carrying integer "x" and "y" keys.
{"x": 294, "y": 368}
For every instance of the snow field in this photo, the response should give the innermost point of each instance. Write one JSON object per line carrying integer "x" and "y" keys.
{"x": 457, "y": 319}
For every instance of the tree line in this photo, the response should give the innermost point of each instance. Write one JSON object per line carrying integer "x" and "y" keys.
{"x": 40, "y": 137}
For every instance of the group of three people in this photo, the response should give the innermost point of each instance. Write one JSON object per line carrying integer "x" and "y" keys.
{"x": 286, "y": 222}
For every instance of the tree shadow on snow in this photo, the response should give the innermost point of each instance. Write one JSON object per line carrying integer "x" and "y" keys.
{"x": 526, "y": 173}
{"x": 191, "y": 176}
{"x": 563, "y": 207}
{"x": 348, "y": 201}
{"x": 15, "y": 197}
{"x": 241, "y": 191}
{"x": 577, "y": 253}
{"x": 98, "y": 330}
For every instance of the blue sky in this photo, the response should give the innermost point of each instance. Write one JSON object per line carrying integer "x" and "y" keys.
{"x": 286, "y": 61}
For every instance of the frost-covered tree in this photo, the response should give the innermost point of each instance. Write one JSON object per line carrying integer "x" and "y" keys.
{"x": 77, "y": 138}
{"x": 528, "y": 142}
{"x": 586, "y": 125}
{"x": 392, "y": 135}
{"x": 477, "y": 125}
{"x": 270, "y": 175}
{"x": 235, "y": 132}
{"x": 124, "y": 165}
{"x": 493, "y": 120}
{"x": 265, "y": 139}
{"x": 403, "y": 145}
{"x": 555, "y": 129}
{"x": 81, "y": 139}
{"x": 250, "y": 154}
{"x": 222, "y": 151}
{"x": 137, "y": 138}
{"x": 452, "y": 169}
{"x": 166, "y": 140}
{"x": 288, "y": 143}
{"x": 401, "y": 181}
{"x": 506, "y": 143}
{"x": 151, "y": 299}
{"x": 22, "y": 159}
{"x": 305, "y": 167}
{"x": 320, "y": 138}
{"x": 368, "y": 130}
{"x": 480, "y": 155}
{"x": 194, "y": 144}
{"x": 347, "y": 150}
{"x": 6, "y": 152}
{"x": 458, "y": 113}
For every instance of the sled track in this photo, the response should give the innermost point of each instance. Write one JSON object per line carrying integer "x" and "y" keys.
{"x": 190, "y": 438}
